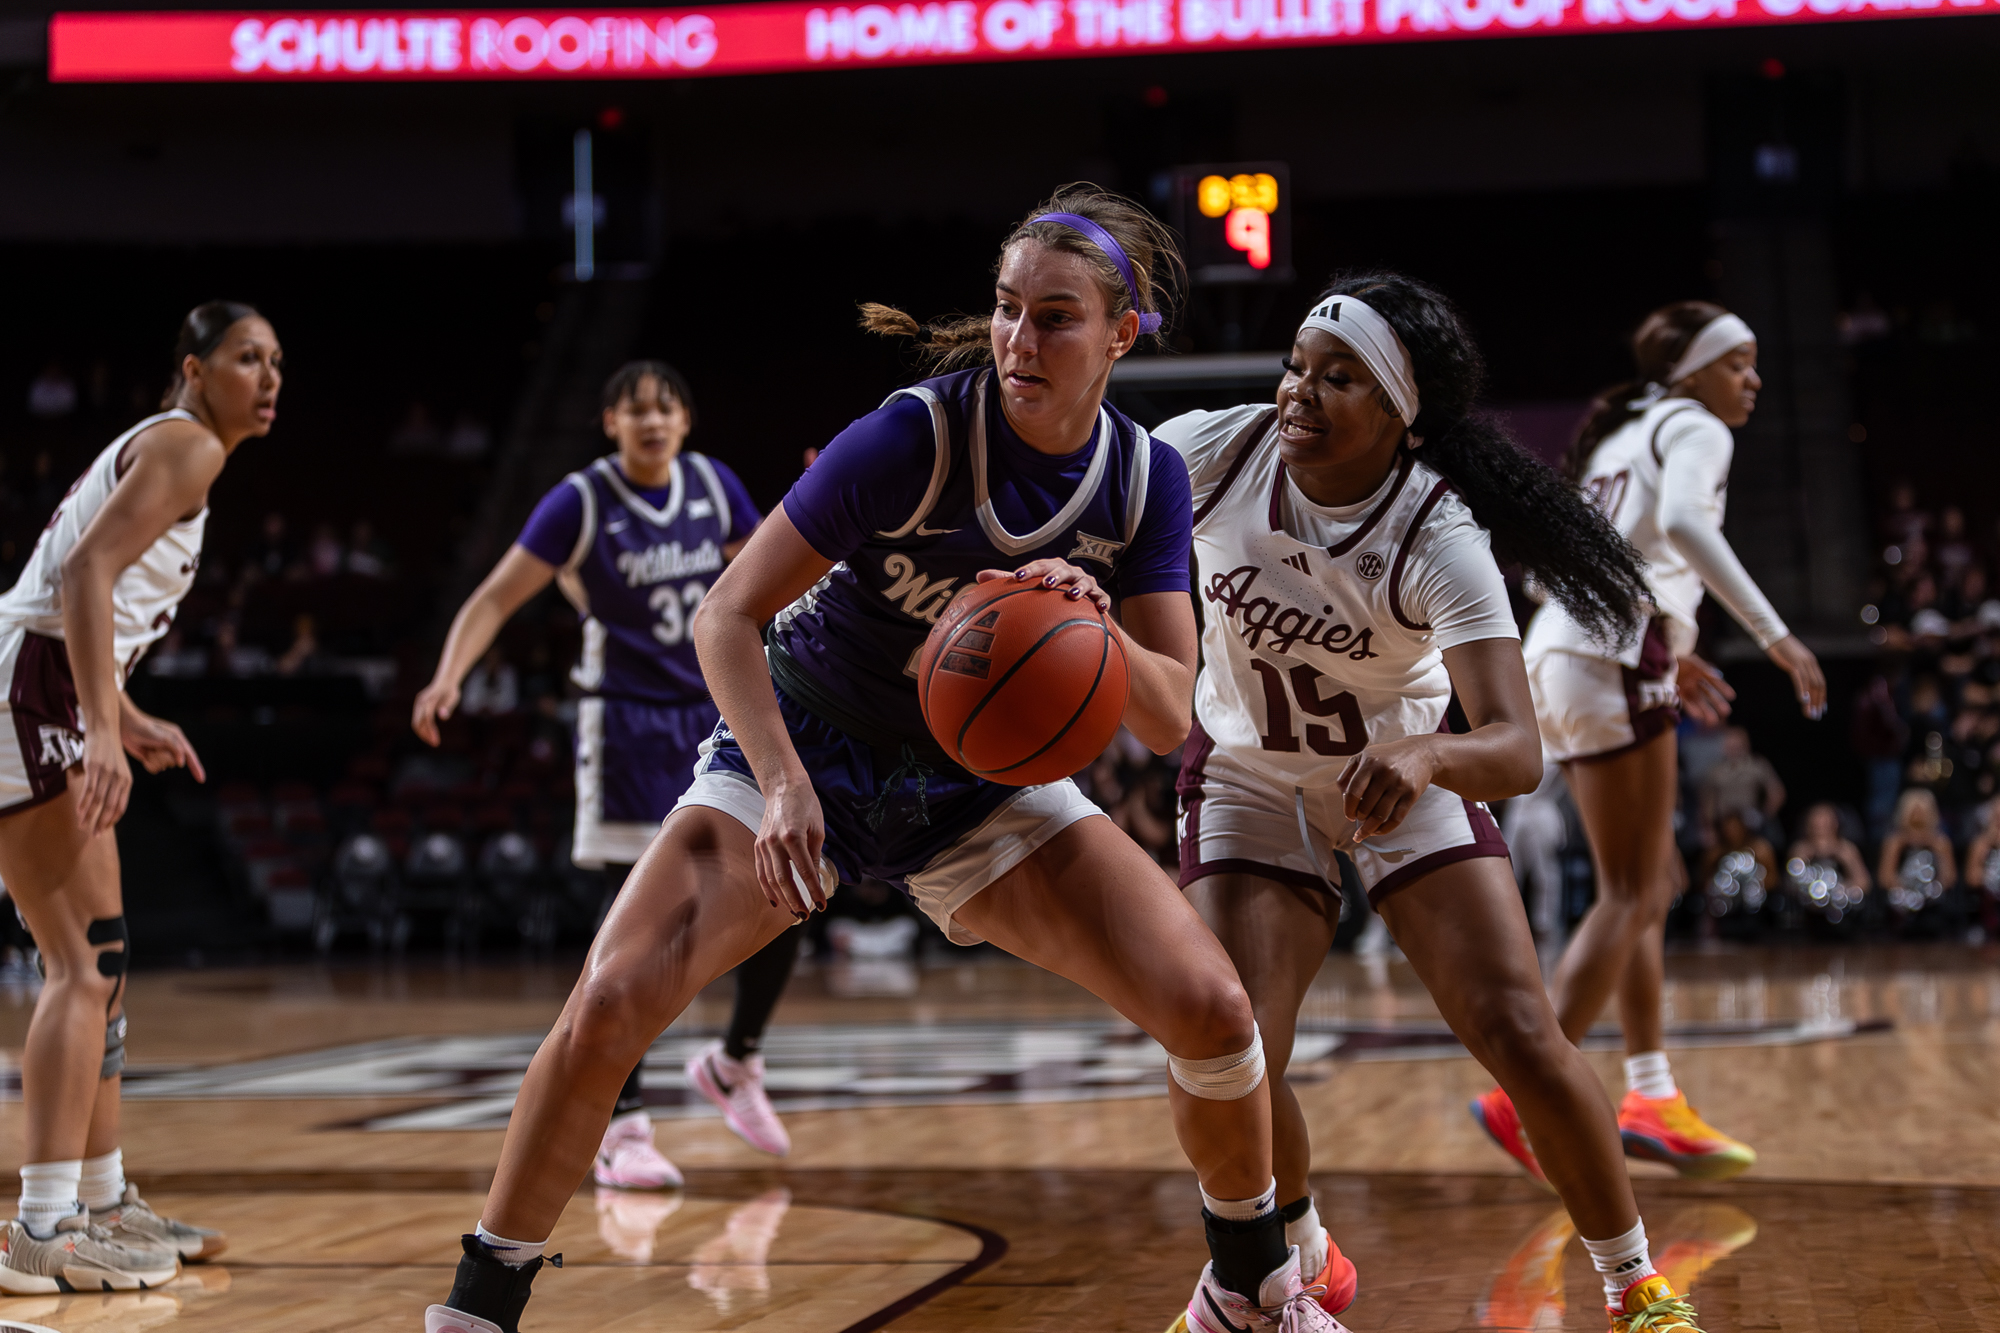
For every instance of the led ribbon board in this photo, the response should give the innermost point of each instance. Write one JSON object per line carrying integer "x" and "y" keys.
{"x": 278, "y": 45}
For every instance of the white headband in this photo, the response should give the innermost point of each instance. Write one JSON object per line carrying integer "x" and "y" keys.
{"x": 1717, "y": 339}
{"x": 1350, "y": 319}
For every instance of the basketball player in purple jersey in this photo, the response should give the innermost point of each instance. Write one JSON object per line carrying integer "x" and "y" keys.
{"x": 634, "y": 542}
{"x": 823, "y": 769}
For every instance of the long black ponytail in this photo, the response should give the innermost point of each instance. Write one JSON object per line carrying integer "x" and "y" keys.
{"x": 1538, "y": 519}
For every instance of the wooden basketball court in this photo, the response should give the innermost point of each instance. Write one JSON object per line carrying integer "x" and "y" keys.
{"x": 980, "y": 1146}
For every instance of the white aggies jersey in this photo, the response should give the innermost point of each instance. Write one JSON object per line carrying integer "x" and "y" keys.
{"x": 1314, "y": 648}
{"x": 148, "y": 591}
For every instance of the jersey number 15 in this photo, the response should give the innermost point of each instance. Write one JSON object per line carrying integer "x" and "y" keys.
{"x": 1305, "y": 684}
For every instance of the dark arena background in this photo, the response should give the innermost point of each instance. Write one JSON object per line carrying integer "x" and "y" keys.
{"x": 456, "y": 254}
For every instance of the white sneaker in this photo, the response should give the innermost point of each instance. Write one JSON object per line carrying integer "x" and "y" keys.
{"x": 133, "y": 1222}
{"x": 444, "y": 1319}
{"x": 627, "y": 1159}
{"x": 1284, "y": 1303}
{"x": 79, "y": 1257}
{"x": 737, "y": 1089}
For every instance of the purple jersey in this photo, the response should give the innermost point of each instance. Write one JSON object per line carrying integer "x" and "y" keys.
{"x": 636, "y": 564}
{"x": 916, "y": 498}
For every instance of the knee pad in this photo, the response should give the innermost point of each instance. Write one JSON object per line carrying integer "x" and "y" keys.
{"x": 108, "y": 930}
{"x": 114, "y": 1049}
{"x": 1226, "y": 1078}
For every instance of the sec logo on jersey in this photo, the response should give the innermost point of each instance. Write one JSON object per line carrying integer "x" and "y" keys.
{"x": 1368, "y": 565}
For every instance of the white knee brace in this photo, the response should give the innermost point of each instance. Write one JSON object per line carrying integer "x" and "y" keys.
{"x": 1226, "y": 1078}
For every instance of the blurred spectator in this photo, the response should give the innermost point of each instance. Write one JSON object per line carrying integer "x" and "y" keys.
{"x": 325, "y": 556}
{"x": 1905, "y": 524}
{"x": 273, "y": 554}
{"x": 1821, "y": 842}
{"x": 303, "y": 656}
{"x": 1740, "y": 868}
{"x": 1879, "y": 736}
{"x": 417, "y": 433}
{"x": 1953, "y": 553}
{"x": 367, "y": 554}
{"x": 468, "y": 439}
{"x": 1916, "y": 865}
{"x": 1982, "y": 864}
{"x": 51, "y": 394}
{"x": 1743, "y": 782}
{"x": 491, "y": 688}
{"x": 172, "y": 657}
{"x": 230, "y": 658}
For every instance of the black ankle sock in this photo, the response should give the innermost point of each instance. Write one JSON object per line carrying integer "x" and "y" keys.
{"x": 760, "y": 983}
{"x": 1245, "y": 1253}
{"x": 486, "y": 1287}
{"x": 1296, "y": 1209}
{"x": 630, "y": 1098}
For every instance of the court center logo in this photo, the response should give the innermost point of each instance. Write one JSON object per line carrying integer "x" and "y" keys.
{"x": 1368, "y": 565}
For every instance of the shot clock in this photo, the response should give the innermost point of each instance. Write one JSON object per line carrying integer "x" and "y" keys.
{"x": 1237, "y": 219}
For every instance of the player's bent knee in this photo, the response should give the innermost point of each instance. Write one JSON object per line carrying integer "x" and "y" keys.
{"x": 1225, "y": 1078}
{"x": 1517, "y": 1031}
{"x": 1207, "y": 1018}
{"x": 610, "y": 1022}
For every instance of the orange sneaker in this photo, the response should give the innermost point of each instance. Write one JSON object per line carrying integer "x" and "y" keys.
{"x": 1338, "y": 1280}
{"x": 1650, "y": 1306}
{"x": 1495, "y": 1113}
{"x": 1698, "y": 1238}
{"x": 1667, "y": 1129}
{"x": 1528, "y": 1293}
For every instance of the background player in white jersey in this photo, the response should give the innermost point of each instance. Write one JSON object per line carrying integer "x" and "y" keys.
{"x": 1654, "y": 458}
{"x": 101, "y": 585}
{"x": 1341, "y": 539}
{"x": 634, "y": 540}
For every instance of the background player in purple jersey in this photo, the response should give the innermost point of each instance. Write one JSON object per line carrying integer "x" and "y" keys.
{"x": 634, "y": 542}
{"x": 832, "y": 775}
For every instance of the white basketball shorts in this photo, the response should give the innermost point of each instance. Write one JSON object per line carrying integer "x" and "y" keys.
{"x": 1235, "y": 820}
{"x": 1595, "y": 708}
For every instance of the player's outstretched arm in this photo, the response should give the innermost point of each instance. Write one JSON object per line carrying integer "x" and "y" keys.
{"x": 1500, "y": 757}
{"x": 172, "y": 466}
{"x": 519, "y": 575}
{"x": 773, "y": 570}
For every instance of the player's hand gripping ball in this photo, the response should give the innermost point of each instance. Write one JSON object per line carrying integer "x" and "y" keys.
{"x": 1022, "y": 684}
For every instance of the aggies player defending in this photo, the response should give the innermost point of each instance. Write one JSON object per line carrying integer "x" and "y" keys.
{"x": 101, "y": 586}
{"x": 634, "y": 541}
{"x": 1341, "y": 540}
{"x": 1016, "y": 471}
{"x": 1654, "y": 457}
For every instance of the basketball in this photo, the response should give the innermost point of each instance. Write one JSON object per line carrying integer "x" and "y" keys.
{"x": 1023, "y": 685}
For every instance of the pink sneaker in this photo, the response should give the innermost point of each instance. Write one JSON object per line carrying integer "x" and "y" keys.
{"x": 737, "y": 1089}
{"x": 627, "y": 1159}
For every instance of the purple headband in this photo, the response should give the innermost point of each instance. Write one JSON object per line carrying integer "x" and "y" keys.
{"x": 1149, "y": 321}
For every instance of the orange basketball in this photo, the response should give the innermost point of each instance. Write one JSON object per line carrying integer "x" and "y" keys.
{"x": 1023, "y": 684}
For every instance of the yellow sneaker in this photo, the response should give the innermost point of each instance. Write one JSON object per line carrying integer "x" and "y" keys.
{"x": 1652, "y": 1307}
{"x": 1667, "y": 1129}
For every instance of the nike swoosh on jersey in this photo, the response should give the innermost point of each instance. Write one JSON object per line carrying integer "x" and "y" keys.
{"x": 923, "y": 531}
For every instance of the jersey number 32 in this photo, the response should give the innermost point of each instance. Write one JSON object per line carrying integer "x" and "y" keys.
{"x": 676, "y": 607}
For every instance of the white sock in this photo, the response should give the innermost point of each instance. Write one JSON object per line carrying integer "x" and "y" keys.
{"x": 1621, "y": 1261}
{"x": 1310, "y": 1237}
{"x": 1649, "y": 1075}
{"x": 103, "y": 1185}
{"x": 513, "y": 1253}
{"x": 49, "y": 1194}
{"x": 1243, "y": 1210}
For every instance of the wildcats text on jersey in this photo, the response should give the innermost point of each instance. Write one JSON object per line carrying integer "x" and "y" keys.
{"x": 1263, "y": 620}
{"x": 657, "y": 564}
